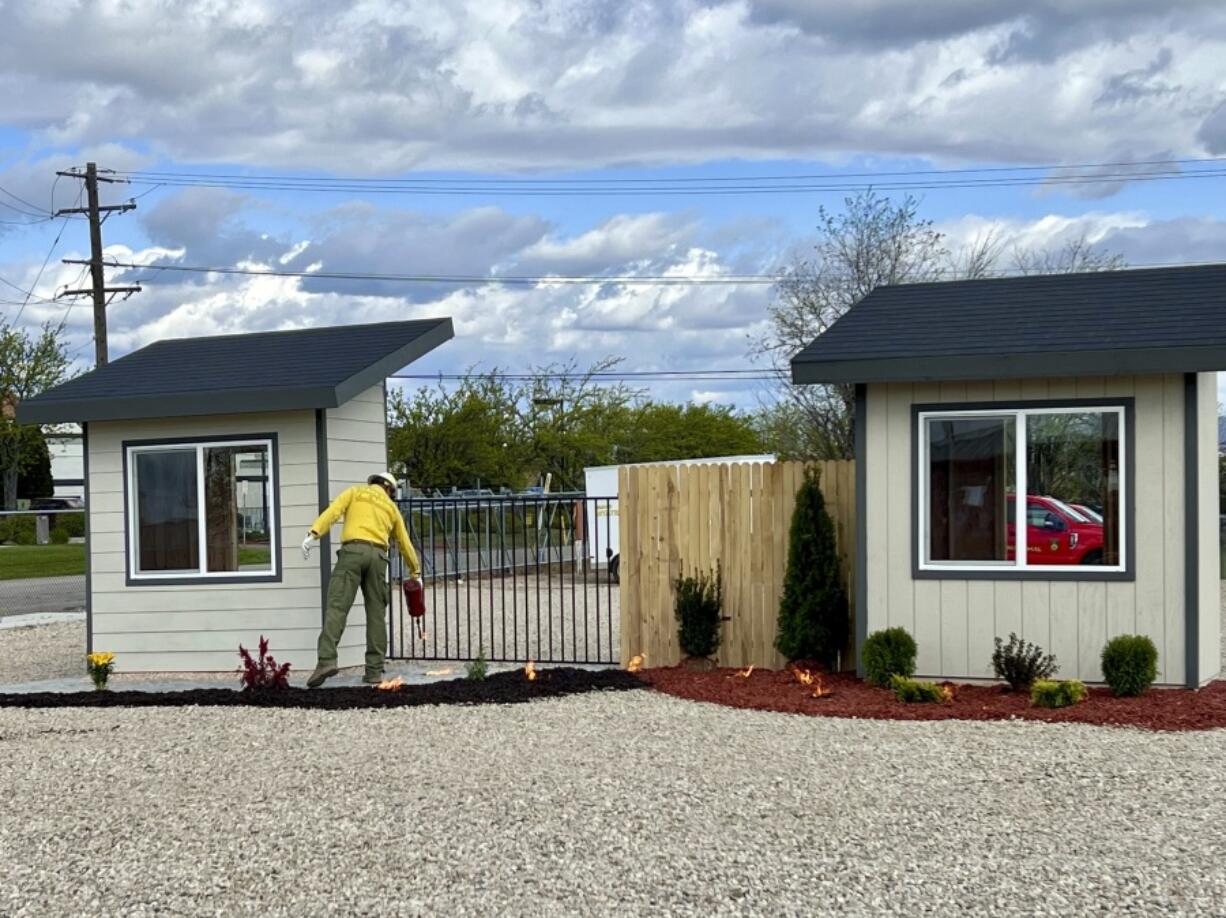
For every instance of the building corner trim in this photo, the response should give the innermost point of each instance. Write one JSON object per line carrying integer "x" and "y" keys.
{"x": 861, "y": 595}
{"x": 321, "y": 477}
{"x": 1191, "y": 531}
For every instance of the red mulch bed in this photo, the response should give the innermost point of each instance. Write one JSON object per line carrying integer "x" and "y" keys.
{"x": 765, "y": 690}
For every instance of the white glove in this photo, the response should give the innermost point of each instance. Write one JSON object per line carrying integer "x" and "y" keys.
{"x": 307, "y": 543}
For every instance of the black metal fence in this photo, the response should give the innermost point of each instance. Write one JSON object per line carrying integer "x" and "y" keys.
{"x": 512, "y": 578}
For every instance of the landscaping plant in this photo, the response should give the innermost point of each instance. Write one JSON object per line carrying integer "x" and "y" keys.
{"x": 888, "y": 653}
{"x": 59, "y": 537}
{"x": 1130, "y": 664}
{"x": 99, "y": 666}
{"x": 264, "y": 673}
{"x": 912, "y": 690}
{"x": 1020, "y": 663}
{"x": 813, "y": 613}
{"x": 477, "y": 668}
{"x": 698, "y": 607}
{"x": 1048, "y": 693}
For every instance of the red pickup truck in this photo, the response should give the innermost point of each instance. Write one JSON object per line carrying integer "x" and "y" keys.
{"x": 1057, "y": 533}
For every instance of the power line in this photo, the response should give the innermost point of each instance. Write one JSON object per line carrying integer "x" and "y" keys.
{"x": 662, "y": 280}
{"x": 34, "y": 211}
{"x": 55, "y": 242}
{"x": 515, "y": 180}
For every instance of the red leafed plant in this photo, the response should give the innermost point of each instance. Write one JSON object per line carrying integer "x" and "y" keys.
{"x": 263, "y": 673}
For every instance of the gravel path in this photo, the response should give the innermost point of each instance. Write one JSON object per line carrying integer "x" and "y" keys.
{"x": 51, "y": 651}
{"x": 629, "y": 803}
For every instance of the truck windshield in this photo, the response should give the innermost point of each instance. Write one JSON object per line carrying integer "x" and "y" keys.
{"x": 1069, "y": 511}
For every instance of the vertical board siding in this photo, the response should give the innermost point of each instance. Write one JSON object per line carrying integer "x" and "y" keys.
{"x": 955, "y": 622}
{"x": 685, "y": 519}
{"x": 1209, "y": 529}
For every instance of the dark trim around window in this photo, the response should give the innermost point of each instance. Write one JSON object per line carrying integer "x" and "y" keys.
{"x": 1128, "y": 403}
{"x": 1191, "y": 531}
{"x": 275, "y": 460}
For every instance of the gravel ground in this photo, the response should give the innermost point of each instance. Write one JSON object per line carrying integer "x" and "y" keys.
{"x": 52, "y": 651}
{"x": 630, "y": 803}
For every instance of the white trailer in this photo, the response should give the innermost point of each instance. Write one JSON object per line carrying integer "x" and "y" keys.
{"x": 600, "y": 494}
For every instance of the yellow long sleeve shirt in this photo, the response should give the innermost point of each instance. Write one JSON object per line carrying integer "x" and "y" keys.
{"x": 370, "y": 516}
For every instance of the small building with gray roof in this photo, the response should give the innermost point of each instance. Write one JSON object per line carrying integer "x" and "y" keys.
{"x": 183, "y": 440}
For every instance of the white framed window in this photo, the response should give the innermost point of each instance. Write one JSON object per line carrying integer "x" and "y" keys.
{"x": 1069, "y": 461}
{"x": 202, "y": 510}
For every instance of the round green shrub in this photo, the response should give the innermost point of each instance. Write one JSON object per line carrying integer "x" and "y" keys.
{"x": 1130, "y": 664}
{"x": 19, "y": 530}
{"x": 59, "y": 537}
{"x": 1046, "y": 693}
{"x": 889, "y": 653}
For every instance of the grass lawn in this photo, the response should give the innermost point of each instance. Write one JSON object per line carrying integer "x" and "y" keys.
{"x": 18, "y": 561}
{"x": 249, "y": 555}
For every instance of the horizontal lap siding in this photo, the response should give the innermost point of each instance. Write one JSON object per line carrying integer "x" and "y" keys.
{"x": 955, "y": 621}
{"x": 357, "y": 447}
{"x": 199, "y": 626}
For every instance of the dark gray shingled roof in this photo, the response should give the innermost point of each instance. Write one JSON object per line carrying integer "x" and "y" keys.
{"x": 270, "y": 371}
{"x": 1157, "y": 320}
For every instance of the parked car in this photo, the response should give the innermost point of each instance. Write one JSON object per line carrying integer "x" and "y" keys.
{"x": 1057, "y": 533}
{"x": 57, "y": 503}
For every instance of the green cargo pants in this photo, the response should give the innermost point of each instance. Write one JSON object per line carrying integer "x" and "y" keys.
{"x": 365, "y": 566}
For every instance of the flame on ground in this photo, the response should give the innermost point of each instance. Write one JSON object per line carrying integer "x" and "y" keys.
{"x": 390, "y": 685}
{"x": 745, "y": 673}
{"x": 819, "y": 690}
{"x": 530, "y": 671}
{"x": 636, "y": 663}
{"x": 804, "y": 677}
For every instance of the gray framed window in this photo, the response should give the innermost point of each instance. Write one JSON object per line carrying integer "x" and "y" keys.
{"x": 202, "y": 510}
{"x": 1070, "y": 461}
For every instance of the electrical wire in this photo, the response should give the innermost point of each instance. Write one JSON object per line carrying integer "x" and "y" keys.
{"x": 661, "y": 280}
{"x": 39, "y": 276}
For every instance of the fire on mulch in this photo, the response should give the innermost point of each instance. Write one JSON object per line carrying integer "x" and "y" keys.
{"x": 510, "y": 687}
{"x": 847, "y": 696}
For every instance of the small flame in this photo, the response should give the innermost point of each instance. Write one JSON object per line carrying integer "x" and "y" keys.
{"x": 948, "y": 692}
{"x": 804, "y": 677}
{"x": 819, "y": 690}
{"x": 745, "y": 673}
{"x": 530, "y": 671}
{"x": 636, "y": 663}
{"x": 390, "y": 685}
{"x": 440, "y": 672}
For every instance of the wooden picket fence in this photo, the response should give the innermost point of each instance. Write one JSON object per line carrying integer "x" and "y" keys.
{"x": 679, "y": 519}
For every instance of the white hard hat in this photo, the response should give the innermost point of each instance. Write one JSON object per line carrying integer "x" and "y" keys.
{"x": 385, "y": 478}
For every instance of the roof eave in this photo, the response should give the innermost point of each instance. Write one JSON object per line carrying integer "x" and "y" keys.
{"x": 377, "y": 373}
{"x": 1120, "y": 362}
{"x": 58, "y": 411}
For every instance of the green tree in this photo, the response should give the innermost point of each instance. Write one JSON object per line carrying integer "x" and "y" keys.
{"x": 462, "y": 437}
{"x": 29, "y": 364}
{"x": 660, "y": 432}
{"x": 814, "y": 616}
{"x": 783, "y": 429}
{"x": 34, "y": 471}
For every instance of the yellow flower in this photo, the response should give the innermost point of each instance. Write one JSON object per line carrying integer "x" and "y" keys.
{"x": 100, "y": 659}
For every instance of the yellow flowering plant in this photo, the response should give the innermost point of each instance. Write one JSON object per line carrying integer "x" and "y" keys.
{"x": 100, "y": 666}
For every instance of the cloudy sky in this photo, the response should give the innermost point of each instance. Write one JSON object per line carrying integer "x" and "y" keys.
{"x": 481, "y": 104}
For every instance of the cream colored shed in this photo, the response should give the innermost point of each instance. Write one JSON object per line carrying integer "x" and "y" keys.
{"x": 1095, "y": 395}
{"x": 206, "y": 461}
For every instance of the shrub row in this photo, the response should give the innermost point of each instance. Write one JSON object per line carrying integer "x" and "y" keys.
{"x": 1129, "y": 664}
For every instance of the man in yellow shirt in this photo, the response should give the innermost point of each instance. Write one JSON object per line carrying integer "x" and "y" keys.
{"x": 371, "y": 518}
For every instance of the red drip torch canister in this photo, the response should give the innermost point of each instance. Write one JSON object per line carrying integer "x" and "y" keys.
{"x": 415, "y": 597}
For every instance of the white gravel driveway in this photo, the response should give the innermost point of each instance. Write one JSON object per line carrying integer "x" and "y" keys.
{"x": 628, "y": 803}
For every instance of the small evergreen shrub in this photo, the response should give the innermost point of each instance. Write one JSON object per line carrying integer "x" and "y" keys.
{"x": 1130, "y": 664}
{"x": 1021, "y": 663}
{"x": 72, "y": 523}
{"x": 698, "y": 608}
{"x": 814, "y": 615}
{"x": 18, "y": 530}
{"x": 912, "y": 691}
{"x": 887, "y": 653}
{"x": 262, "y": 674}
{"x": 1048, "y": 693}
{"x": 59, "y": 537}
{"x": 477, "y": 669}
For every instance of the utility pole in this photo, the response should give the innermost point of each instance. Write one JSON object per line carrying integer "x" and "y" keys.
{"x": 98, "y": 288}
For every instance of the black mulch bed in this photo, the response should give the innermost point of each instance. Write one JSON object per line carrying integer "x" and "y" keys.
{"x": 511, "y": 687}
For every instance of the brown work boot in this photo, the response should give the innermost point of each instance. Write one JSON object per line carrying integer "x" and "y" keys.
{"x": 372, "y": 678}
{"x": 323, "y": 672}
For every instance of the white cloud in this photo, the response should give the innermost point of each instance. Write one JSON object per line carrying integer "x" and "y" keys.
{"x": 381, "y": 87}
